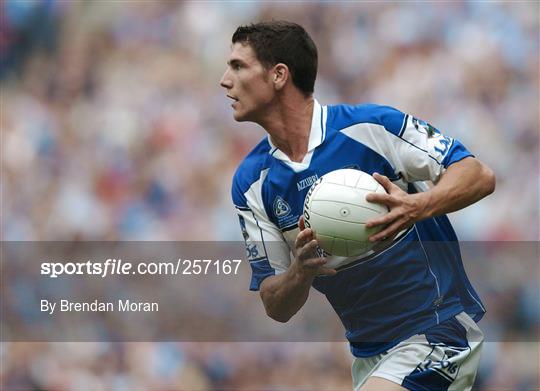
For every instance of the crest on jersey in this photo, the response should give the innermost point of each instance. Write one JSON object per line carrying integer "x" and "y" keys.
{"x": 423, "y": 126}
{"x": 281, "y": 208}
{"x": 437, "y": 144}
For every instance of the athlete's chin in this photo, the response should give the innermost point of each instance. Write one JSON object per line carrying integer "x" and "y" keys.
{"x": 241, "y": 116}
{"x": 237, "y": 116}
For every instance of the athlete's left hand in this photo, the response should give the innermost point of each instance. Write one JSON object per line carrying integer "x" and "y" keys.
{"x": 405, "y": 209}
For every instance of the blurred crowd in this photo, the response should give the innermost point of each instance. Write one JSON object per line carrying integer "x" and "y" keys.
{"x": 114, "y": 127}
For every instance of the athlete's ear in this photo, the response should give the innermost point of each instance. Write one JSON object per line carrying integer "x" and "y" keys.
{"x": 280, "y": 75}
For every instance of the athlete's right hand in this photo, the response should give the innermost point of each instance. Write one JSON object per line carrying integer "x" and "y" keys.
{"x": 307, "y": 261}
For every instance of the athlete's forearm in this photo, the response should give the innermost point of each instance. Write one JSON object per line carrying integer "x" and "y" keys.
{"x": 284, "y": 294}
{"x": 463, "y": 184}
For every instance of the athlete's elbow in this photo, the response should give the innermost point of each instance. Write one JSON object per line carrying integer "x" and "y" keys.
{"x": 276, "y": 313}
{"x": 278, "y": 317}
{"x": 482, "y": 179}
{"x": 488, "y": 180}
{"x": 273, "y": 310}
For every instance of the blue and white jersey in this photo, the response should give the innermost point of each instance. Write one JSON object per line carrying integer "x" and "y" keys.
{"x": 384, "y": 298}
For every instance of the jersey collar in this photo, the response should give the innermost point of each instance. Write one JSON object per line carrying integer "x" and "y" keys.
{"x": 316, "y": 134}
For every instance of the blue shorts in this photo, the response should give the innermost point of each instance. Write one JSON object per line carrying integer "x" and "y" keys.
{"x": 445, "y": 357}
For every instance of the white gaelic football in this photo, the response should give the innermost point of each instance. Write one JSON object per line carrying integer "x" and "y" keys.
{"x": 337, "y": 211}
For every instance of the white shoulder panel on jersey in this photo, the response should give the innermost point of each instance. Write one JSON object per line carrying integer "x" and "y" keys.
{"x": 415, "y": 155}
{"x": 262, "y": 238}
{"x": 427, "y": 138}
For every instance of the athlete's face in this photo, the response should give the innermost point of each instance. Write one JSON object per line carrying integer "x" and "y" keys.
{"x": 247, "y": 83}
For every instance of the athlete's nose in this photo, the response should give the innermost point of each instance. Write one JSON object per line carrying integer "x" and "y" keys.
{"x": 225, "y": 81}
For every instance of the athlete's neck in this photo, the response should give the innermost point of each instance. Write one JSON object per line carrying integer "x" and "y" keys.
{"x": 289, "y": 126}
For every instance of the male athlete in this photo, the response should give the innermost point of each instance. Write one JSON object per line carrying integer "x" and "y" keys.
{"x": 408, "y": 309}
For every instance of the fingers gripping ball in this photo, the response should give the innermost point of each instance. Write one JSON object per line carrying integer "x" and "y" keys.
{"x": 336, "y": 209}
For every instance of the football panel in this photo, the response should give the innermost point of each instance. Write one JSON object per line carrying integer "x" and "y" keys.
{"x": 368, "y": 183}
{"x": 325, "y": 242}
{"x": 344, "y": 177}
{"x": 355, "y": 248}
{"x": 351, "y": 177}
{"x": 339, "y": 229}
{"x": 345, "y": 194}
{"x": 348, "y": 212}
{"x": 340, "y": 248}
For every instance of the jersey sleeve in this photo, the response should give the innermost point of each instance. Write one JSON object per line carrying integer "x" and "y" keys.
{"x": 267, "y": 251}
{"x": 423, "y": 152}
{"x": 416, "y": 150}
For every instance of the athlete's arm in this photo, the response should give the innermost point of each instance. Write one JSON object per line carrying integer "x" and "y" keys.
{"x": 462, "y": 184}
{"x": 284, "y": 294}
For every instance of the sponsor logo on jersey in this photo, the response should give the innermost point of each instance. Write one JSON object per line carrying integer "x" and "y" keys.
{"x": 281, "y": 208}
{"x": 301, "y": 185}
{"x": 285, "y": 219}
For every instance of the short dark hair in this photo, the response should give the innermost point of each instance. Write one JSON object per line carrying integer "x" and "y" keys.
{"x": 283, "y": 42}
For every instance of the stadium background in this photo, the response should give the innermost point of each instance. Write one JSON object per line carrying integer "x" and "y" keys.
{"x": 114, "y": 127}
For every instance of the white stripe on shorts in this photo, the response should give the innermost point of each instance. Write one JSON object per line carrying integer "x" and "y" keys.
{"x": 418, "y": 364}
